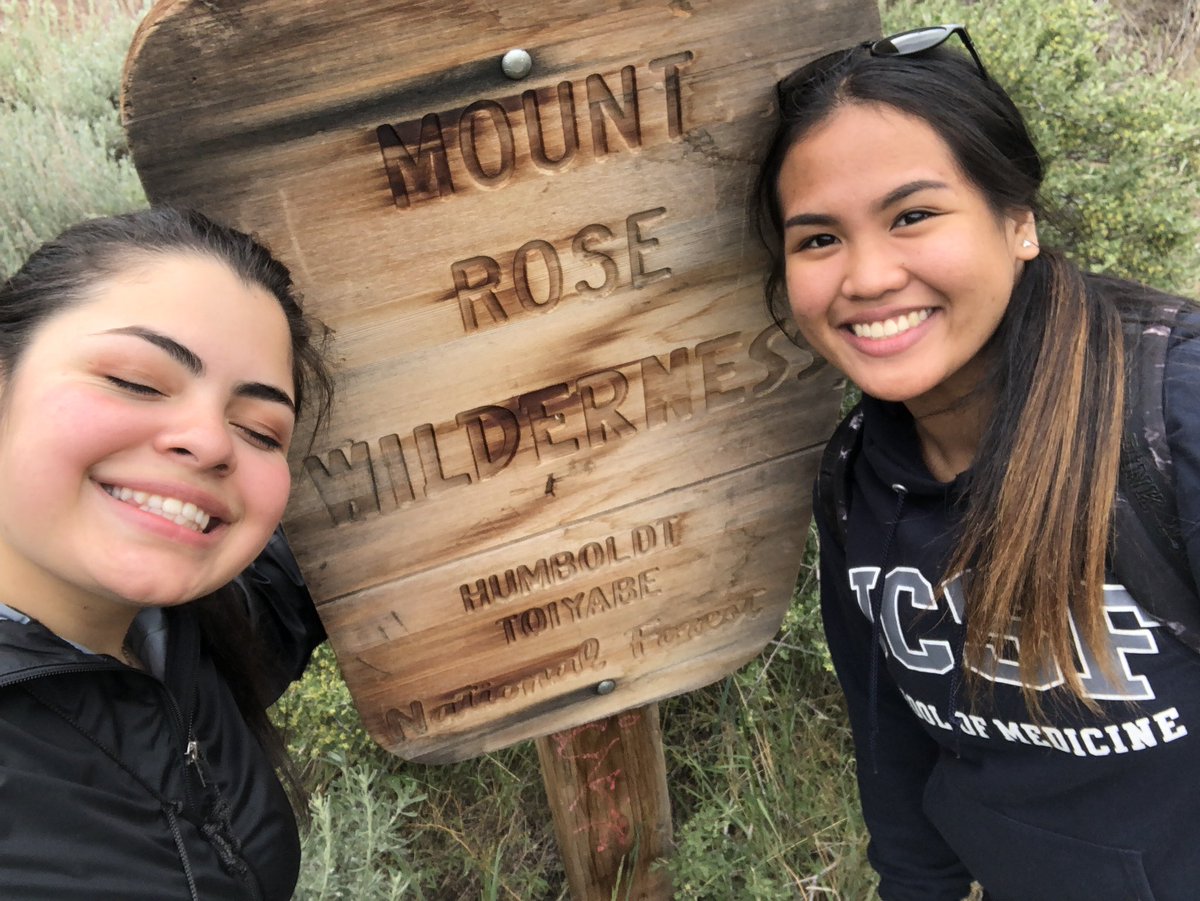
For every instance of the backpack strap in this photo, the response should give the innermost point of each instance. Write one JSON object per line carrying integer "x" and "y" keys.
{"x": 1148, "y": 556}
{"x": 833, "y": 477}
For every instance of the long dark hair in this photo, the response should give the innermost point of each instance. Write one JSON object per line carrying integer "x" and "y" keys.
{"x": 1038, "y": 522}
{"x": 64, "y": 271}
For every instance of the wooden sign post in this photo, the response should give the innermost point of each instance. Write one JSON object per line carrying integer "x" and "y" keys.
{"x": 568, "y": 469}
{"x": 607, "y": 786}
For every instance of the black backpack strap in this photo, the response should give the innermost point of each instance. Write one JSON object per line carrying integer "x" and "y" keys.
{"x": 1149, "y": 557}
{"x": 833, "y": 478}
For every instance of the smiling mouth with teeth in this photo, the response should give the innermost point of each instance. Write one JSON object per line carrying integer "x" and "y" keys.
{"x": 888, "y": 328}
{"x": 179, "y": 512}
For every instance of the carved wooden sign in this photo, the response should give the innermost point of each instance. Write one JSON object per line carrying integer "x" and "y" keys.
{"x": 569, "y": 463}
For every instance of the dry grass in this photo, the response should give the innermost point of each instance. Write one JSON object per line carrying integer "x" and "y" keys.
{"x": 1168, "y": 30}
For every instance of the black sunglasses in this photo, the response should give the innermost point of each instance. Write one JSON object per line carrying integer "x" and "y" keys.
{"x": 906, "y": 43}
{"x": 918, "y": 40}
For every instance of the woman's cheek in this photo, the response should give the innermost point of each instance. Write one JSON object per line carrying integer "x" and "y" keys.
{"x": 808, "y": 292}
{"x": 272, "y": 483}
{"x": 810, "y": 314}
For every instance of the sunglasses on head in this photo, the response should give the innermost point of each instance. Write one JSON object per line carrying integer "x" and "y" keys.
{"x": 906, "y": 43}
{"x": 918, "y": 40}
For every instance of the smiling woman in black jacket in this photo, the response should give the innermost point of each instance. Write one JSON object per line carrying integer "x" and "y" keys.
{"x": 1020, "y": 718}
{"x": 151, "y": 370}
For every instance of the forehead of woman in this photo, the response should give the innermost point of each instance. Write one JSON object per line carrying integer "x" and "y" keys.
{"x": 129, "y": 265}
{"x": 186, "y": 301}
{"x": 866, "y": 151}
{"x": 188, "y": 285}
{"x": 980, "y": 125}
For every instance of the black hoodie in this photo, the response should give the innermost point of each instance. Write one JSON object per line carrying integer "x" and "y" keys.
{"x": 1071, "y": 807}
{"x": 146, "y": 786}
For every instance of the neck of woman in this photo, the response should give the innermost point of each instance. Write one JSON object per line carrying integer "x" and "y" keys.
{"x": 91, "y": 619}
{"x": 101, "y": 628}
{"x": 950, "y": 431}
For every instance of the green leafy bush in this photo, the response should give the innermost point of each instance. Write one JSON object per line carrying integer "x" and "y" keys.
{"x": 760, "y": 768}
{"x": 1121, "y": 137}
{"x": 321, "y": 724}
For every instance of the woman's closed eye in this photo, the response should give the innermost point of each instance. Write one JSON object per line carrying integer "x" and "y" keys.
{"x": 266, "y": 442}
{"x": 253, "y": 435}
{"x": 133, "y": 387}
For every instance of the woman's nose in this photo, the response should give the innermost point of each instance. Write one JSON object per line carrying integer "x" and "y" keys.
{"x": 201, "y": 436}
{"x": 873, "y": 268}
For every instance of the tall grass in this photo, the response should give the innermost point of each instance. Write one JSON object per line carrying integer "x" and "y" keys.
{"x": 759, "y": 764}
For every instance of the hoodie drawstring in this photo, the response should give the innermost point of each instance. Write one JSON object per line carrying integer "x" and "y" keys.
{"x": 956, "y": 659}
{"x": 877, "y": 628}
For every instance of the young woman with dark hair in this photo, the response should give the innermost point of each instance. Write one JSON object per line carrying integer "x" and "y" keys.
{"x": 1019, "y": 718}
{"x": 152, "y": 367}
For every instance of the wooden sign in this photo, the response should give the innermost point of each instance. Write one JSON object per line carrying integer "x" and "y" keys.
{"x": 569, "y": 465}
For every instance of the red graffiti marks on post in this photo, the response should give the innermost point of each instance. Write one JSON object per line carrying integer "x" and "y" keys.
{"x": 601, "y": 780}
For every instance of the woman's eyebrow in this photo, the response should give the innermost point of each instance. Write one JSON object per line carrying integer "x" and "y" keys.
{"x": 892, "y": 197}
{"x": 261, "y": 391}
{"x": 190, "y": 361}
{"x": 906, "y": 190}
{"x": 818, "y": 219}
{"x": 177, "y": 351}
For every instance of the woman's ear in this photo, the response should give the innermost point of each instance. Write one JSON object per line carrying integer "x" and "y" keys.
{"x": 1025, "y": 234}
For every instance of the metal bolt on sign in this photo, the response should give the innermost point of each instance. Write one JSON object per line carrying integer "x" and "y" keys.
{"x": 517, "y": 64}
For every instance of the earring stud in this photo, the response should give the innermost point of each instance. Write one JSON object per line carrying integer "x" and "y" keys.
{"x": 1026, "y": 243}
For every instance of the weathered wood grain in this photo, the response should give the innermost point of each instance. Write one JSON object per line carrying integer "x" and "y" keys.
{"x": 606, "y": 786}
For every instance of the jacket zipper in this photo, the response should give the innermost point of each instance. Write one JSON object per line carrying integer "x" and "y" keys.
{"x": 191, "y": 748}
{"x": 192, "y": 755}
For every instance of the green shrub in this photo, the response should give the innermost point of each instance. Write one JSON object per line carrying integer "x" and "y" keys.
{"x": 1122, "y": 142}
{"x": 479, "y": 828}
{"x": 59, "y": 78}
{"x": 321, "y": 724}
{"x": 372, "y": 860}
{"x": 760, "y": 769}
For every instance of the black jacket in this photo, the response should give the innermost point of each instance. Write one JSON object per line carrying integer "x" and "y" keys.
{"x": 1073, "y": 807}
{"x": 119, "y": 784}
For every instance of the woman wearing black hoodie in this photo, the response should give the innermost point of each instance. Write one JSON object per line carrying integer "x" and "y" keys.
{"x": 1020, "y": 719}
{"x": 152, "y": 367}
